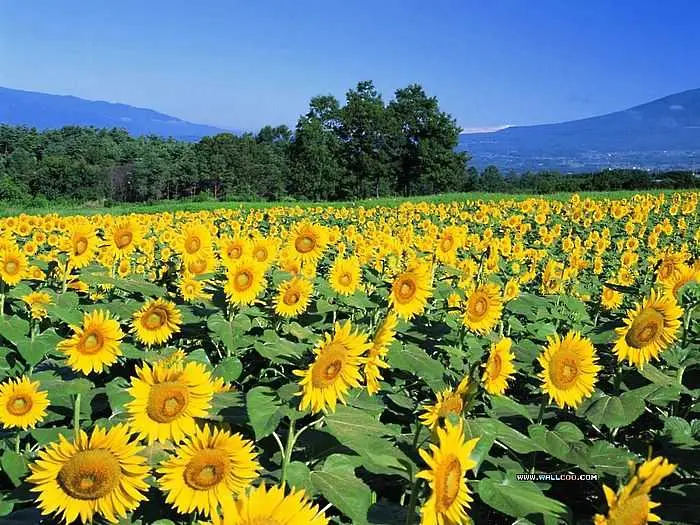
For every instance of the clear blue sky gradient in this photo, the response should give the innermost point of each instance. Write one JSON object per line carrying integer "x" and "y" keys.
{"x": 245, "y": 64}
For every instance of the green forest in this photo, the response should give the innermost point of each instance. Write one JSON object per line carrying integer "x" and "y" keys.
{"x": 362, "y": 148}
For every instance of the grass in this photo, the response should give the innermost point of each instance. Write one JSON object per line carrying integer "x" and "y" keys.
{"x": 7, "y": 210}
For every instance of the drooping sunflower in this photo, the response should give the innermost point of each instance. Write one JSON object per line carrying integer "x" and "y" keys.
{"x": 207, "y": 469}
{"x": 377, "y": 353}
{"x": 410, "y": 290}
{"x": 499, "y": 369}
{"x": 156, "y": 322}
{"x": 95, "y": 344}
{"x": 448, "y": 465}
{"x": 293, "y": 297}
{"x": 260, "y": 505}
{"x": 37, "y": 303}
{"x": 631, "y": 505}
{"x": 570, "y": 369}
{"x": 649, "y": 329}
{"x": 245, "y": 281}
{"x": 13, "y": 264}
{"x": 344, "y": 276}
{"x": 483, "y": 308}
{"x": 685, "y": 275}
{"x": 449, "y": 401}
{"x": 307, "y": 242}
{"x": 335, "y": 370}
{"x": 22, "y": 404}
{"x": 193, "y": 242}
{"x": 168, "y": 396}
{"x": 104, "y": 474}
{"x": 610, "y": 299}
{"x": 123, "y": 237}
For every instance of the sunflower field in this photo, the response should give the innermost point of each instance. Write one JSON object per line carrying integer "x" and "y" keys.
{"x": 509, "y": 362}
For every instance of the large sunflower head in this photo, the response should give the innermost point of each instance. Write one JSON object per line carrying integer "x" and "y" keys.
{"x": 499, "y": 368}
{"x": 13, "y": 264}
{"x": 104, "y": 474}
{"x": 22, "y": 404}
{"x": 95, "y": 344}
{"x": 482, "y": 309}
{"x": 335, "y": 369}
{"x": 447, "y": 466}
{"x": 410, "y": 290}
{"x": 206, "y": 470}
{"x": 156, "y": 322}
{"x": 307, "y": 242}
{"x": 264, "y": 251}
{"x": 685, "y": 275}
{"x": 231, "y": 249}
{"x": 570, "y": 369}
{"x": 124, "y": 236}
{"x": 167, "y": 397}
{"x": 245, "y": 281}
{"x": 270, "y": 506}
{"x": 344, "y": 276}
{"x": 194, "y": 241}
{"x": 632, "y": 505}
{"x": 82, "y": 244}
{"x": 293, "y": 297}
{"x": 650, "y": 328}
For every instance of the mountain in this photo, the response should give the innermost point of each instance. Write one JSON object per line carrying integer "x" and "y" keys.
{"x": 44, "y": 111}
{"x": 662, "y": 134}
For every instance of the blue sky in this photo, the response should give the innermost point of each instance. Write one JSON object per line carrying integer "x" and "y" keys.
{"x": 245, "y": 64}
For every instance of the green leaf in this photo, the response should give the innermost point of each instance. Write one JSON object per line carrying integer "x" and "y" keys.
{"x": 345, "y": 492}
{"x": 413, "y": 359}
{"x": 518, "y": 498}
{"x": 229, "y": 369}
{"x": 501, "y": 432}
{"x": 278, "y": 349}
{"x": 504, "y": 406}
{"x": 34, "y": 350}
{"x": 15, "y": 330}
{"x": 351, "y": 421}
{"x": 263, "y": 407}
{"x": 656, "y": 376}
{"x": 614, "y": 412}
{"x": 299, "y": 477}
{"x": 117, "y": 395}
{"x": 559, "y": 442}
{"x": 45, "y": 436}
{"x": 15, "y": 466}
{"x": 679, "y": 430}
{"x": 132, "y": 284}
{"x": 604, "y": 458}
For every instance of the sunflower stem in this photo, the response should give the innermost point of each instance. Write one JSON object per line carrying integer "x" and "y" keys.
{"x": 412, "y": 502}
{"x": 17, "y": 440}
{"x": 540, "y": 417}
{"x": 2, "y": 298}
{"x": 76, "y": 417}
{"x": 287, "y": 456}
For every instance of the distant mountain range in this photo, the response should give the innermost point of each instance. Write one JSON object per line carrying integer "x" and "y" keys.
{"x": 662, "y": 134}
{"x": 44, "y": 111}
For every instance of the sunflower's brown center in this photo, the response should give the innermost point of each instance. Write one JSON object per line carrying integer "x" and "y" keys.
{"x": 291, "y": 297}
{"x": 80, "y": 246}
{"x": 645, "y": 328}
{"x": 446, "y": 244}
{"x": 11, "y": 266}
{"x": 243, "y": 280}
{"x": 206, "y": 469}
{"x": 328, "y": 366}
{"x": 666, "y": 269}
{"x": 92, "y": 343}
{"x": 192, "y": 244}
{"x": 564, "y": 371}
{"x": 166, "y": 401}
{"x": 123, "y": 239}
{"x": 198, "y": 266}
{"x": 345, "y": 279}
{"x": 260, "y": 254}
{"x": 304, "y": 243}
{"x": 452, "y": 404}
{"x": 90, "y": 474}
{"x": 635, "y": 511}
{"x": 19, "y": 404}
{"x": 234, "y": 252}
{"x": 406, "y": 289}
{"x": 478, "y": 306}
{"x": 447, "y": 482}
{"x": 496, "y": 365}
{"x": 609, "y": 294}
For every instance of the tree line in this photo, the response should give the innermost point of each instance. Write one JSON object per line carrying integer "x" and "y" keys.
{"x": 362, "y": 148}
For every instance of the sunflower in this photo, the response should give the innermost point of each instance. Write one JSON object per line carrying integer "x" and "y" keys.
{"x": 123, "y": 237}
{"x": 610, "y": 299}
{"x": 375, "y": 359}
{"x": 261, "y": 505}
{"x": 483, "y": 308}
{"x": 335, "y": 370}
{"x": 167, "y": 397}
{"x": 156, "y": 322}
{"x": 410, "y": 290}
{"x": 649, "y": 329}
{"x": 448, "y": 402}
{"x": 37, "y": 303}
{"x": 245, "y": 281}
{"x": 685, "y": 275}
{"x": 307, "y": 242}
{"x": 449, "y": 241}
{"x": 199, "y": 264}
{"x": 669, "y": 266}
{"x": 448, "y": 464}
{"x": 95, "y": 344}
{"x": 104, "y": 474}
{"x": 264, "y": 250}
{"x": 293, "y": 297}
{"x": 194, "y": 242}
{"x": 231, "y": 249}
{"x": 344, "y": 276}
{"x": 82, "y": 244}
{"x": 631, "y": 504}
{"x": 13, "y": 264}
{"x": 570, "y": 369}
{"x": 511, "y": 290}
{"x": 499, "y": 367}
{"x": 192, "y": 289}
{"x": 207, "y": 469}
{"x": 22, "y": 404}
